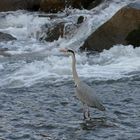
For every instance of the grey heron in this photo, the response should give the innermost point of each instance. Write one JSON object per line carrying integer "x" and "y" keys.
{"x": 83, "y": 92}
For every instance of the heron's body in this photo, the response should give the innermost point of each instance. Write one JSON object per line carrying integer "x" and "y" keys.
{"x": 84, "y": 92}
{"x": 86, "y": 95}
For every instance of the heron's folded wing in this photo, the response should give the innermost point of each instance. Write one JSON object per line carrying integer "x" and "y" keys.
{"x": 86, "y": 94}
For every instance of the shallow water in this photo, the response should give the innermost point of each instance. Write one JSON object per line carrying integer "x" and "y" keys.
{"x": 51, "y": 111}
{"x": 37, "y": 99}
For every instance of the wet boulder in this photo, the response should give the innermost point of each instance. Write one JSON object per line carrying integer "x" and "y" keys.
{"x": 49, "y": 6}
{"x": 122, "y": 28}
{"x": 52, "y": 6}
{"x": 80, "y": 19}
{"x": 90, "y": 5}
{"x": 6, "y": 37}
{"x": 86, "y": 4}
{"x": 12, "y": 5}
{"x": 134, "y": 37}
{"x": 78, "y": 3}
{"x": 53, "y": 32}
{"x": 59, "y": 5}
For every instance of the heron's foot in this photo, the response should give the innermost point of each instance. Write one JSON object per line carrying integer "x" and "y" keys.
{"x": 87, "y": 115}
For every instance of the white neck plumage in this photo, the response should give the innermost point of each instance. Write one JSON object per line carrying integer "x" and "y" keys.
{"x": 74, "y": 72}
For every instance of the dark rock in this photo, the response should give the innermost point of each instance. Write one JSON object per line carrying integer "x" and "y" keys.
{"x": 134, "y": 38}
{"x": 94, "y": 4}
{"x": 3, "y": 52}
{"x": 59, "y": 5}
{"x": 33, "y": 5}
{"x": 77, "y": 3}
{"x": 86, "y": 4}
{"x": 12, "y": 5}
{"x": 80, "y": 20}
{"x": 122, "y": 28}
{"x": 6, "y": 37}
{"x": 52, "y": 6}
{"x": 53, "y": 33}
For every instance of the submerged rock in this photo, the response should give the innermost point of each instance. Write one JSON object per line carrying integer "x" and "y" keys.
{"x": 6, "y": 37}
{"x": 122, "y": 28}
{"x": 80, "y": 19}
{"x": 51, "y": 33}
{"x": 3, "y": 52}
{"x": 94, "y": 4}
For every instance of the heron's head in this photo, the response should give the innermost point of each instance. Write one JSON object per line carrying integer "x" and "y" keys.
{"x": 67, "y": 51}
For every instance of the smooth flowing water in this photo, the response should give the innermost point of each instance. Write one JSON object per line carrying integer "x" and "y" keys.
{"x": 37, "y": 99}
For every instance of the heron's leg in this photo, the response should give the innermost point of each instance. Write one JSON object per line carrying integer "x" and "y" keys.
{"x": 86, "y": 112}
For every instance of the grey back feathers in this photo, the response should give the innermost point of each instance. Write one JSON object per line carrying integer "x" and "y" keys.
{"x": 86, "y": 95}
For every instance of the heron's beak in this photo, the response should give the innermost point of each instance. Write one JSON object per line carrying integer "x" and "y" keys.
{"x": 64, "y": 50}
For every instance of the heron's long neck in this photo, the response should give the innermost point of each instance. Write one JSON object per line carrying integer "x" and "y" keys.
{"x": 74, "y": 72}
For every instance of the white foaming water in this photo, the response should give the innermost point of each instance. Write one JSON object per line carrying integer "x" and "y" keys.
{"x": 113, "y": 64}
{"x": 44, "y": 61}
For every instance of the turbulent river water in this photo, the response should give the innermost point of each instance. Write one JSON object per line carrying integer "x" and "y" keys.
{"x": 37, "y": 99}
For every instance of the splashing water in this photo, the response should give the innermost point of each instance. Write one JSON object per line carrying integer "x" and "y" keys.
{"x": 45, "y": 61}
